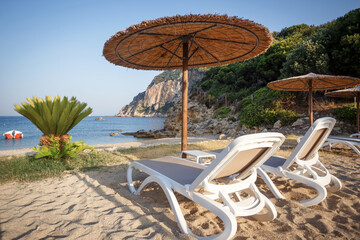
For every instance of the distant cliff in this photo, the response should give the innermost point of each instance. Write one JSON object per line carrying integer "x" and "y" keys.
{"x": 160, "y": 95}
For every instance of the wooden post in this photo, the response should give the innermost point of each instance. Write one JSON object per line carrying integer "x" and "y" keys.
{"x": 357, "y": 112}
{"x": 185, "y": 94}
{"x": 311, "y": 113}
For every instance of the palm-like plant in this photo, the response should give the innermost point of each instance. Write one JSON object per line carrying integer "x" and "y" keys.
{"x": 54, "y": 118}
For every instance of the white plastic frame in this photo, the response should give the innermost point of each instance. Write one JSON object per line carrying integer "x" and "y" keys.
{"x": 353, "y": 142}
{"x": 227, "y": 211}
{"x": 310, "y": 172}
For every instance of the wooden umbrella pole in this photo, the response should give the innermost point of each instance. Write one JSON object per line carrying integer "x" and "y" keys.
{"x": 185, "y": 94}
{"x": 311, "y": 113}
{"x": 357, "y": 112}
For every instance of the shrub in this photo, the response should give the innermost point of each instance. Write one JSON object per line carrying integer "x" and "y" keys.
{"x": 346, "y": 113}
{"x": 265, "y": 96}
{"x": 232, "y": 119}
{"x": 55, "y": 118}
{"x": 60, "y": 150}
{"x": 222, "y": 112}
{"x": 265, "y": 106}
{"x": 256, "y": 115}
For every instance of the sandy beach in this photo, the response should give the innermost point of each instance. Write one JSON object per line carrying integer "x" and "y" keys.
{"x": 98, "y": 205}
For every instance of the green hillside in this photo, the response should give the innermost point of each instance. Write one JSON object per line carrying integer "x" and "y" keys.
{"x": 332, "y": 48}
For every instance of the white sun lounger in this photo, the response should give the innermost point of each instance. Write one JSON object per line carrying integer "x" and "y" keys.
{"x": 353, "y": 142}
{"x": 303, "y": 164}
{"x": 205, "y": 184}
{"x": 355, "y": 135}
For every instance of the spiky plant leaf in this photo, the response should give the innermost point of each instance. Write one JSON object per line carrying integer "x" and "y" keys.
{"x": 63, "y": 120}
{"x": 31, "y": 102}
{"x": 55, "y": 113}
{"x": 30, "y": 112}
{"x": 80, "y": 117}
{"x": 49, "y": 103}
{"x": 74, "y": 115}
{"x": 54, "y": 117}
{"x": 47, "y": 115}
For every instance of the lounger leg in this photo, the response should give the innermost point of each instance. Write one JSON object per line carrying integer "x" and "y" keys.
{"x": 337, "y": 184}
{"x": 168, "y": 192}
{"x": 270, "y": 184}
{"x": 271, "y": 211}
{"x": 129, "y": 179}
{"x": 229, "y": 220}
{"x": 222, "y": 212}
{"x": 327, "y": 144}
{"x": 270, "y": 215}
{"x": 352, "y": 146}
{"x": 322, "y": 192}
{"x": 174, "y": 204}
{"x": 357, "y": 150}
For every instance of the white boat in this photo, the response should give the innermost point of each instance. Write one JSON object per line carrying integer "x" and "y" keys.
{"x": 13, "y": 134}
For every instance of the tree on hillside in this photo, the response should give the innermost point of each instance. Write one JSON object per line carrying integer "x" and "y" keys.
{"x": 345, "y": 45}
{"x": 302, "y": 29}
{"x": 238, "y": 80}
{"x": 311, "y": 55}
{"x": 333, "y": 50}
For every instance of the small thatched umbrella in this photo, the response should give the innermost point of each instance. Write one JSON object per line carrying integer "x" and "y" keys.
{"x": 313, "y": 82}
{"x": 349, "y": 93}
{"x": 181, "y": 42}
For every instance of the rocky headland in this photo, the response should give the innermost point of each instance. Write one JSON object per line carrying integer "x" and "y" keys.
{"x": 160, "y": 95}
{"x": 201, "y": 121}
{"x": 162, "y": 98}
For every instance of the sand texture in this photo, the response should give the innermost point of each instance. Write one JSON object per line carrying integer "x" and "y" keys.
{"x": 98, "y": 205}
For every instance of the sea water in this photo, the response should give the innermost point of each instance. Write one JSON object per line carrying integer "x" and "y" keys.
{"x": 89, "y": 130}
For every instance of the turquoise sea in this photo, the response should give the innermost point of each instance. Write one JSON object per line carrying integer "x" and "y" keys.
{"x": 89, "y": 130}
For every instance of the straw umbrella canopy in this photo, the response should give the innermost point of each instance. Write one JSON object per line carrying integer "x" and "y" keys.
{"x": 313, "y": 82}
{"x": 181, "y": 42}
{"x": 349, "y": 93}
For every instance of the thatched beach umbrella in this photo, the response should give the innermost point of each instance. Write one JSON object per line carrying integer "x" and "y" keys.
{"x": 349, "y": 93}
{"x": 313, "y": 82}
{"x": 181, "y": 42}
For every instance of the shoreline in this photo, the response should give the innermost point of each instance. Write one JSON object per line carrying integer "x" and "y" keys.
{"x": 117, "y": 146}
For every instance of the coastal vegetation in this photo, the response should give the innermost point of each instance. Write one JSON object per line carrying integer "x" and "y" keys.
{"x": 27, "y": 169}
{"x": 222, "y": 112}
{"x": 166, "y": 75}
{"x": 346, "y": 113}
{"x": 265, "y": 106}
{"x": 332, "y": 48}
{"x": 55, "y": 118}
{"x": 62, "y": 150}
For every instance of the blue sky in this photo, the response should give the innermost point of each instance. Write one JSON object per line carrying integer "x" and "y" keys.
{"x": 50, "y": 48}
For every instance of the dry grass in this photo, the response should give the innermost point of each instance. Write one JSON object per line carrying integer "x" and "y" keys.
{"x": 29, "y": 169}
{"x": 153, "y": 152}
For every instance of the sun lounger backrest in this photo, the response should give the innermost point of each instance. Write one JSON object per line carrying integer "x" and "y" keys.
{"x": 313, "y": 144}
{"x": 241, "y": 156}
{"x": 312, "y": 141}
{"x": 242, "y": 162}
